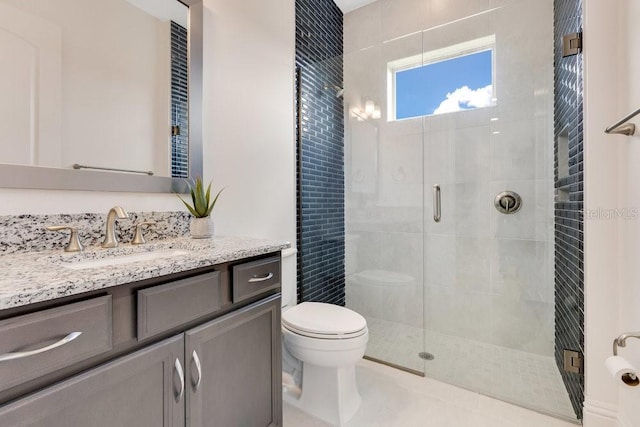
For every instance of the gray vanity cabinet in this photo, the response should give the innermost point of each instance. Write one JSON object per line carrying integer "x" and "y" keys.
{"x": 233, "y": 369}
{"x": 200, "y": 350}
{"x": 141, "y": 390}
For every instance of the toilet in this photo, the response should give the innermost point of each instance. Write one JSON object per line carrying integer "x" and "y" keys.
{"x": 328, "y": 340}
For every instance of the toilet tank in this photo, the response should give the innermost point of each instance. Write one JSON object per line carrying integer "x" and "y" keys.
{"x": 289, "y": 277}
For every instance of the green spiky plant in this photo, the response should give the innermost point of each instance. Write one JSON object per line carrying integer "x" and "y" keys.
{"x": 202, "y": 206}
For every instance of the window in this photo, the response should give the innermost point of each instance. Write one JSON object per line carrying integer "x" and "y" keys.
{"x": 455, "y": 78}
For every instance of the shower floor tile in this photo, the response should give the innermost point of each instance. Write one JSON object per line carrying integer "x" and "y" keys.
{"x": 393, "y": 398}
{"x": 526, "y": 379}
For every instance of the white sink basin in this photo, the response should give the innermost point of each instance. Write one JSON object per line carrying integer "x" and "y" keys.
{"x": 123, "y": 259}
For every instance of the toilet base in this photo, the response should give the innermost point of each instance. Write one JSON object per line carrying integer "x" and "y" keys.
{"x": 328, "y": 393}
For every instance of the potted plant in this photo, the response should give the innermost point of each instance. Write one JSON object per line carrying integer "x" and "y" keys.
{"x": 201, "y": 225}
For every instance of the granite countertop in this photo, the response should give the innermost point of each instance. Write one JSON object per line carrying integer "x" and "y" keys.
{"x": 31, "y": 277}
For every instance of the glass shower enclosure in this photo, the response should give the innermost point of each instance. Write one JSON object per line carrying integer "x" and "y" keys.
{"x": 448, "y": 125}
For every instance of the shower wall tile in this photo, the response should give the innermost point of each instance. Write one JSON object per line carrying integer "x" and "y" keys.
{"x": 514, "y": 149}
{"x": 518, "y": 267}
{"x": 473, "y": 265}
{"x": 470, "y": 119}
{"x": 523, "y": 80}
{"x": 472, "y": 154}
{"x": 533, "y": 220}
{"x": 522, "y": 324}
{"x": 401, "y": 170}
{"x": 440, "y": 261}
{"x": 365, "y": 298}
{"x": 363, "y": 80}
{"x": 403, "y": 253}
{"x": 362, "y": 28}
{"x": 544, "y": 151}
{"x": 369, "y": 247}
{"x": 397, "y": 298}
{"x": 445, "y": 11}
{"x": 472, "y": 209}
{"x": 403, "y": 304}
{"x": 320, "y": 153}
{"x": 440, "y": 157}
{"x": 402, "y": 17}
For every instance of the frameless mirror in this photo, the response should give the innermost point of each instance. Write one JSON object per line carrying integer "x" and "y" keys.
{"x": 100, "y": 94}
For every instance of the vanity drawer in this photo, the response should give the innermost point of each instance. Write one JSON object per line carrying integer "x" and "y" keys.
{"x": 39, "y": 343}
{"x": 164, "y": 307}
{"x": 254, "y": 278}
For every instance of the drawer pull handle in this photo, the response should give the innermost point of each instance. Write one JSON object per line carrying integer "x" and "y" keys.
{"x": 196, "y": 361}
{"x": 19, "y": 355}
{"x": 180, "y": 373}
{"x": 261, "y": 279}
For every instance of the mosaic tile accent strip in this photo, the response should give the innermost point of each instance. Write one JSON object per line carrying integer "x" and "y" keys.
{"x": 320, "y": 152}
{"x": 569, "y": 179}
{"x": 179, "y": 101}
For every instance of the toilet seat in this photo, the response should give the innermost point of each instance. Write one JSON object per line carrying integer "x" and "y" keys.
{"x": 324, "y": 336}
{"x": 324, "y": 321}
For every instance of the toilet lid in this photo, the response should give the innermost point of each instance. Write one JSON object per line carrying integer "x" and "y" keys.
{"x": 321, "y": 320}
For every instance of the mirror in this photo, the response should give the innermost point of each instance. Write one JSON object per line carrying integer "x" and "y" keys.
{"x": 100, "y": 85}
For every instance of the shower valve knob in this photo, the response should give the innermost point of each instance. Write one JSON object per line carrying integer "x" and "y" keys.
{"x": 508, "y": 202}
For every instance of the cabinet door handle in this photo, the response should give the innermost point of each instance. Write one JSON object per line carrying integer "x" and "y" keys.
{"x": 196, "y": 361}
{"x": 19, "y": 355}
{"x": 180, "y": 373}
{"x": 261, "y": 279}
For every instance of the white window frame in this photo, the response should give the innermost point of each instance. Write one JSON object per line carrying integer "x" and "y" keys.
{"x": 478, "y": 45}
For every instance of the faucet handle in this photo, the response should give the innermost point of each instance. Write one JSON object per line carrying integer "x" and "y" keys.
{"x": 138, "y": 238}
{"x": 74, "y": 244}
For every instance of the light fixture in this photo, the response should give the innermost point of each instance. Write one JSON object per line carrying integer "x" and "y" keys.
{"x": 369, "y": 107}
{"x": 370, "y": 111}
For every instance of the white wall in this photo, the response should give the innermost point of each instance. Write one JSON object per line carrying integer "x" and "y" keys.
{"x": 629, "y": 286}
{"x": 249, "y": 93}
{"x": 630, "y": 281}
{"x": 612, "y": 245}
{"x": 249, "y": 141}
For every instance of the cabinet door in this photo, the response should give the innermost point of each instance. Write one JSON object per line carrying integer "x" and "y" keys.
{"x": 234, "y": 369}
{"x": 141, "y": 389}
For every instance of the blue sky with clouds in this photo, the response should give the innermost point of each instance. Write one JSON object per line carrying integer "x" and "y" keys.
{"x": 453, "y": 85}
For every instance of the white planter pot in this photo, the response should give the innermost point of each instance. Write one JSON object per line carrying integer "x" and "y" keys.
{"x": 201, "y": 228}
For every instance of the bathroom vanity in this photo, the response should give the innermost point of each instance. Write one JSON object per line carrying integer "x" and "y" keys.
{"x": 188, "y": 335}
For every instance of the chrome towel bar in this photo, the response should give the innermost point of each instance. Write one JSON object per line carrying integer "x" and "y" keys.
{"x": 78, "y": 166}
{"x": 622, "y": 127}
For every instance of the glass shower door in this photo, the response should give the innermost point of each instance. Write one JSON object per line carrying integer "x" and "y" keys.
{"x": 489, "y": 288}
{"x": 384, "y": 208}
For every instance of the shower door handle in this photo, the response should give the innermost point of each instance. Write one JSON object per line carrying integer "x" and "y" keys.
{"x": 437, "y": 205}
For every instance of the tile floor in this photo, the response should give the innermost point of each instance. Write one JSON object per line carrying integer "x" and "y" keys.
{"x": 393, "y": 398}
{"x": 523, "y": 378}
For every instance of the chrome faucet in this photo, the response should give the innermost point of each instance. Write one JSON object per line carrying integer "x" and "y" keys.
{"x": 110, "y": 240}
